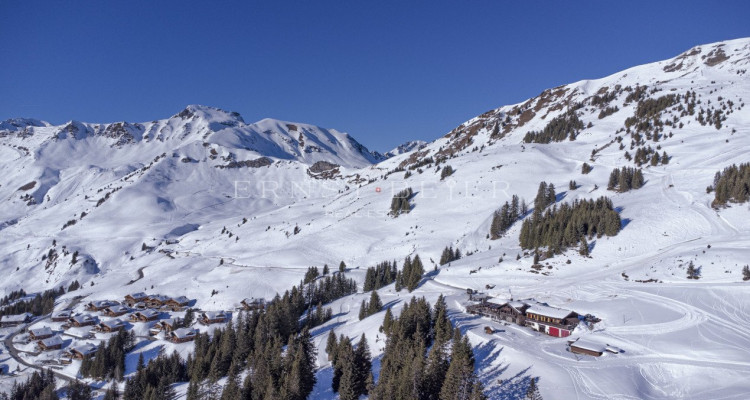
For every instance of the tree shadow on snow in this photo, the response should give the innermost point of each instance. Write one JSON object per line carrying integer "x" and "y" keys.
{"x": 513, "y": 388}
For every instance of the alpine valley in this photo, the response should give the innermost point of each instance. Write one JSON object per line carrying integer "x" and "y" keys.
{"x": 633, "y": 230}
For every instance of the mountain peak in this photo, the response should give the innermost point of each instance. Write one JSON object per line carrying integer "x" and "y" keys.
{"x": 211, "y": 114}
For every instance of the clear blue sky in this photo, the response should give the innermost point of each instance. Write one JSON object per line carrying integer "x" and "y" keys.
{"x": 384, "y": 71}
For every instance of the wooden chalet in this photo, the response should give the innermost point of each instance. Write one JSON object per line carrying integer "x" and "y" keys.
{"x": 40, "y": 333}
{"x": 82, "y": 320}
{"x": 156, "y": 301}
{"x": 114, "y": 325}
{"x": 79, "y": 352}
{"x": 177, "y": 303}
{"x": 61, "y": 316}
{"x": 182, "y": 335}
{"x": 115, "y": 311}
{"x": 500, "y": 310}
{"x": 166, "y": 325}
{"x": 14, "y": 320}
{"x": 550, "y": 320}
{"x": 585, "y": 347}
{"x": 144, "y": 316}
{"x": 134, "y": 298}
{"x": 212, "y": 317}
{"x": 52, "y": 343}
{"x": 252, "y": 304}
{"x": 100, "y": 305}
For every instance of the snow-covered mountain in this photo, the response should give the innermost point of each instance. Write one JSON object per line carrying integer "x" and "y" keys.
{"x": 202, "y": 202}
{"x": 407, "y": 147}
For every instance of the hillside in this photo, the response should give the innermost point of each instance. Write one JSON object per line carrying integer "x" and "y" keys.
{"x": 202, "y": 202}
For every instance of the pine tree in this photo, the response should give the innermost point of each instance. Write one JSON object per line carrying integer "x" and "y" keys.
{"x": 746, "y": 273}
{"x": 331, "y": 345}
{"x": 362, "y": 366}
{"x": 387, "y": 321}
{"x": 532, "y": 393}
{"x": 342, "y": 267}
{"x": 363, "y": 310}
{"x": 375, "y": 304}
{"x": 584, "y": 249}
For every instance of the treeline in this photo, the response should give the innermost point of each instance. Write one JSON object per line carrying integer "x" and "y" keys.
{"x": 449, "y": 255}
{"x": 370, "y": 307}
{"x": 731, "y": 185}
{"x": 153, "y": 382}
{"x": 507, "y": 215}
{"x": 41, "y": 304}
{"x": 14, "y": 295}
{"x": 565, "y": 126}
{"x": 380, "y": 275}
{"x": 400, "y": 202}
{"x": 624, "y": 179}
{"x": 563, "y": 227}
{"x": 409, "y": 371}
{"x": 108, "y": 362}
{"x": 410, "y": 274}
{"x": 256, "y": 342}
{"x": 39, "y": 386}
{"x": 352, "y": 366}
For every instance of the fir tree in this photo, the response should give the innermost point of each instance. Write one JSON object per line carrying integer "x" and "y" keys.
{"x": 532, "y": 392}
{"x": 746, "y": 273}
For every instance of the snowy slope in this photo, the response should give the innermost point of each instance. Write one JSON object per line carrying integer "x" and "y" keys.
{"x": 175, "y": 185}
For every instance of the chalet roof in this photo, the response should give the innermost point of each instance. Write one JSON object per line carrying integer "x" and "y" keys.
{"x": 495, "y": 300}
{"x": 587, "y": 345}
{"x": 53, "y": 341}
{"x": 253, "y": 300}
{"x": 85, "y": 349}
{"x": 103, "y": 303}
{"x": 214, "y": 314}
{"x": 159, "y": 297}
{"x": 518, "y": 305}
{"x": 115, "y": 323}
{"x": 45, "y": 331}
{"x": 16, "y": 318}
{"x": 62, "y": 313}
{"x": 139, "y": 295}
{"x": 83, "y": 318}
{"x": 547, "y": 311}
{"x": 117, "y": 309}
{"x": 148, "y": 313}
{"x": 181, "y": 299}
{"x": 183, "y": 333}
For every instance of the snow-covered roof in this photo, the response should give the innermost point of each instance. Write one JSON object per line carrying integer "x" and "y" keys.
{"x": 181, "y": 299}
{"x": 547, "y": 311}
{"x": 159, "y": 297}
{"x": 115, "y": 323}
{"x": 44, "y": 331}
{"x": 517, "y": 304}
{"x": 148, "y": 313}
{"x": 117, "y": 309}
{"x": 214, "y": 314}
{"x": 85, "y": 349}
{"x": 16, "y": 318}
{"x": 53, "y": 341}
{"x": 139, "y": 295}
{"x": 83, "y": 318}
{"x": 587, "y": 345}
{"x": 61, "y": 313}
{"x": 103, "y": 303}
{"x": 183, "y": 333}
{"x": 495, "y": 300}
